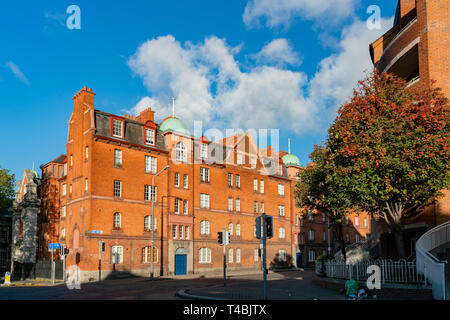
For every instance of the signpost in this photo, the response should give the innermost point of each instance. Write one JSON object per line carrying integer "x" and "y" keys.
{"x": 224, "y": 239}
{"x": 52, "y": 247}
{"x": 100, "y": 249}
{"x": 263, "y": 233}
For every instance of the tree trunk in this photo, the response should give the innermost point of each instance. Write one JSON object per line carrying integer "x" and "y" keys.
{"x": 398, "y": 233}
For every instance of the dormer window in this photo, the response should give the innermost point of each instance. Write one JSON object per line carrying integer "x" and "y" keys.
{"x": 117, "y": 128}
{"x": 240, "y": 159}
{"x": 203, "y": 150}
{"x": 150, "y": 136}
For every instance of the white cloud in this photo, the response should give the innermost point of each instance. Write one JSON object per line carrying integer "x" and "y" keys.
{"x": 17, "y": 72}
{"x": 279, "y": 52}
{"x": 282, "y": 12}
{"x": 210, "y": 86}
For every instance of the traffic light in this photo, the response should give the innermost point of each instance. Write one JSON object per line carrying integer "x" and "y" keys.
{"x": 269, "y": 227}
{"x": 103, "y": 247}
{"x": 66, "y": 251}
{"x": 258, "y": 227}
{"x": 220, "y": 237}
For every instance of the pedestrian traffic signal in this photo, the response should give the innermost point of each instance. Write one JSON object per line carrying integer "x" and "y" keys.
{"x": 258, "y": 227}
{"x": 269, "y": 227}
{"x": 220, "y": 237}
{"x": 103, "y": 247}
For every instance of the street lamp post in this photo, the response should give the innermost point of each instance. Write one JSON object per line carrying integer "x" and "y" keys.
{"x": 153, "y": 219}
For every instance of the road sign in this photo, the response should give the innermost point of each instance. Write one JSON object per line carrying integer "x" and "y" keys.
{"x": 53, "y": 246}
{"x": 97, "y": 231}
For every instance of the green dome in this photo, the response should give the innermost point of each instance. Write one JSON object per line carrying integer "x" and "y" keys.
{"x": 291, "y": 160}
{"x": 175, "y": 125}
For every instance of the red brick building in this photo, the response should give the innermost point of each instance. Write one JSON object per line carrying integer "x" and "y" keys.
{"x": 417, "y": 48}
{"x": 103, "y": 189}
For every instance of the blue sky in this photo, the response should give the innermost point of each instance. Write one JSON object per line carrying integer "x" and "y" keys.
{"x": 284, "y": 64}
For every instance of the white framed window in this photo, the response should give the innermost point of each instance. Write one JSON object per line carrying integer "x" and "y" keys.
{"x": 64, "y": 189}
{"x": 180, "y": 232}
{"x": 87, "y": 152}
{"x": 70, "y": 190}
{"x": 185, "y": 181}
{"x": 65, "y": 169}
{"x": 238, "y": 229}
{"x": 150, "y": 164}
{"x": 204, "y": 200}
{"x": 255, "y": 185}
{"x": 204, "y": 150}
{"x": 238, "y": 255}
{"x": 185, "y": 207}
{"x": 186, "y": 231}
{"x": 117, "y": 158}
{"x": 230, "y": 204}
{"x": 117, "y": 128}
{"x": 230, "y": 179}
{"x": 63, "y": 211}
{"x": 204, "y": 227}
{"x": 150, "y": 193}
{"x": 149, "y": 136}
{"x": 177, "y": 206}
{"x": 117, "y": 188}
{"x": 311, "y": 255}
{"x": 230, "y": 255}
{"x": 230, "y": 228}
{"x": 71, "y": 160}
{"x": 262, "y": 207}
{"x": 356, "y": 221}
{"x": 238, "y": 181}
{"x": 240, "y": 159}
{"x": 310, "y": 215}
{"x": 282, "y": 255}
{"x": 261, "y": 186}
{"x": 281, "y": 233}
{"x": 174, "y": 232}
{"x": 117, "y": 220}
{"x": 63, "y": 233}
{"x": 281, "y": 189}
{"x": 256, "y": 255}
{"x": 238, "y": 205}
{"x": 253, "y": 162}
{"x": 116, "y": 254}
{"x": 311, "y": 235}
{"x": 324, "y": 217}
{"x": 365, "y": 222}
{"x": 255, "y": 207}
{"x": 281, "y": 212}
{"x": 346, "y": 219}
{"x": 147, "y": 254}
{"x": 177, "y": 179}
{"x": 86, "y": 185}
{"x": 280, "y": 169}
{"x": 204, "y": 174}
{"x": 148, "y": 222}
{"x": 357, "y": 238}
{"x": 205, "y": 255}
{"x": 180, "y": 150}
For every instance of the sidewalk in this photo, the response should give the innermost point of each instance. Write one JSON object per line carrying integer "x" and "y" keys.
{"x": 299, "y": 286}
{"x": 32, "y": 283}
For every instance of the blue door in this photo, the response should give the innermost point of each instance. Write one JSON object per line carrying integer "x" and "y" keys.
{"x": 180, "y": 264}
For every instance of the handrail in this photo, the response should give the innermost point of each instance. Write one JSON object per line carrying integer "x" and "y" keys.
{"x": 432, "y": 268}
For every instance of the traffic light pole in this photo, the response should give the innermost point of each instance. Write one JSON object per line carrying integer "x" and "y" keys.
{"x": 264, "y": 236}
{"x": 224, "y": 264}
{"x": 100, "y": 245}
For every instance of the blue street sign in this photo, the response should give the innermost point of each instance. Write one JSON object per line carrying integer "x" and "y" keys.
{"x": 97, "y": 231}
{"x": 54, "y": 246}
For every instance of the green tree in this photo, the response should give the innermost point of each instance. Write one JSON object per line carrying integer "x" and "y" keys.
{"x": 7, "y": 181}
{"x": 389, "y": 145}
{"x": 318, "y": 189}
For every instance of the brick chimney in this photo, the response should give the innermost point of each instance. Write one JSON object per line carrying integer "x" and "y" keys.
{"x": 83, "y": 96}
{"x": 146, "y": 115}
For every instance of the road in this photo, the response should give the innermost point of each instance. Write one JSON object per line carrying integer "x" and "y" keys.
{"x": 285, "y": 285}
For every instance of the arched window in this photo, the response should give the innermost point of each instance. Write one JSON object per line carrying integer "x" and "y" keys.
{"x": 117, "y": 220}
{"x": 204, "y": 227}
{"x": 181, "y": 152}
{"x": 147, "y": 254}
{"x": 205, "y": 255}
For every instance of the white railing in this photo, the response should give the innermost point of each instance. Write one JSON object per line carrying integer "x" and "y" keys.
{"x": 427, "y": 264}
{"x": 400, "y": 271}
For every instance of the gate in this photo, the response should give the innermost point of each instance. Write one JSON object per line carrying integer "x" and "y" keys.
{"x": 180, "y": 264}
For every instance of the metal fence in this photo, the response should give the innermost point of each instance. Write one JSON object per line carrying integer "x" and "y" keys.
{"x": 44, "y": 269}
{"x": 432, "y": 269}
{"x": 400, "y": 271}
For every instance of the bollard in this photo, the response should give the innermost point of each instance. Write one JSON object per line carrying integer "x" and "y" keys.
{"x": 7, "y": 278}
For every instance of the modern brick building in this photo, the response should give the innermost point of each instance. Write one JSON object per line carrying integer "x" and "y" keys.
{"x": 103, "y": 191}
{"x": 417, "y": 48}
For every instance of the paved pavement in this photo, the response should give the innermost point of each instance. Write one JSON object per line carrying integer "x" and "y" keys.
{"x": 283, "y": 285}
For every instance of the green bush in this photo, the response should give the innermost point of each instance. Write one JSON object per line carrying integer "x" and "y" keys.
{"x": 322, "y": 259}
